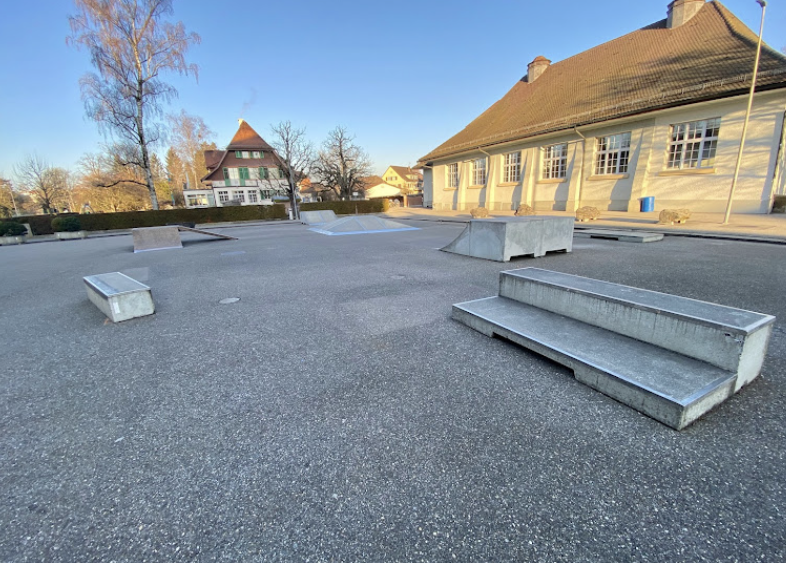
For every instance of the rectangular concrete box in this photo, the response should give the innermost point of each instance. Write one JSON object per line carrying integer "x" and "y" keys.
{"x": 502, "y": 239}
{"x": 119, "y": 297}
{"x": 669, "y": 387}
{"x": 731, "y": 339}
{"x": 317, "y": 217}
{"x": 156, "y": 238}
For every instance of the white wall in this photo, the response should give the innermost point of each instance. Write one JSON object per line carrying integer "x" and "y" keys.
{"x": 647, "y": 174}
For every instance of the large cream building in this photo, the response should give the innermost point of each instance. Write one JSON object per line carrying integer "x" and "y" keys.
{"x": 658, "y": 112}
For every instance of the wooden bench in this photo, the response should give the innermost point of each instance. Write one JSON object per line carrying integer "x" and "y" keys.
{"x": 119, "y": 297}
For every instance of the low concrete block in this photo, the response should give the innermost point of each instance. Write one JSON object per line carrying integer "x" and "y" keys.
{"x": 622, "y": 236}
{"x": 156, "y": 238}
{"x": 8, "y": 241}
{"x": 503, "y": 238}
{"x": 72, "y": 235}
{"x": 317, "y": 217}
{"x": 731, "y": 339}
{"x": 119, "y": 297}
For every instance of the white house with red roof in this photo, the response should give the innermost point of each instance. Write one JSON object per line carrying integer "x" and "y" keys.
{"x": 247, "y": 172}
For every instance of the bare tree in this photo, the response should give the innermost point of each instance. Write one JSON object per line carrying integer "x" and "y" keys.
{"x": 341, "y": 164}
{"x": 297, "y": 154}
{"x": 103, "y": 186}
{"x": 131, "y": 45}
{"x": 189, "y": 136}
{"x": 44, "y": 183}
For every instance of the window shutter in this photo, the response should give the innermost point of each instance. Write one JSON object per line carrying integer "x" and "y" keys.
{"x": 261, "y": 173}
{"x": 265, "y": 173}
{"x": 226, "y": 174}
{"x": 238, "y": 154}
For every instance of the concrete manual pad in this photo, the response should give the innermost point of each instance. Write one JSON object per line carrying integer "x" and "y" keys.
{"x": 361, "y": 225}
{"x": 156, "y": 238}
{"x": 503, "y": 239}
{"x": 664, "y": 385}
{"x": 622, "y": 236}
{"x": 119, "y": 297}
{"x": 319, "y": 217}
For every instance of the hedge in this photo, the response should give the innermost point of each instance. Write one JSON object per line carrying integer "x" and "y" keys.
{"x": 348, "y": 207}
{"x": 42, "y": 224}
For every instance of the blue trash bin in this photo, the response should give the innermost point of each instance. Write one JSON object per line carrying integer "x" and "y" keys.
{"x": 648, "y": 204}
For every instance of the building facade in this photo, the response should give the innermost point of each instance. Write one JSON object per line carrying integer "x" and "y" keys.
{"x": 627, "y": 120}
{"x": 403, "y": 177}
{"x": 247, "y": 172}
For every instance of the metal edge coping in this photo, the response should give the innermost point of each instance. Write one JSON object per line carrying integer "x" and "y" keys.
{"x": 98, "y": 290}
{"x": 748, "y": 329}
{"x": 328, "y": 233}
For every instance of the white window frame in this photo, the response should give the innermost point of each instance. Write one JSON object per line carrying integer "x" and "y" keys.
{"x": 253, "y": 197}
{"x": 239, "y": 195}
{"x": 234, "y": 173}
{"x": 693, "y": 144}
{"x": 223, "y": 196}
{"x": 554, "y": 162}
{"x": 612, "y": 154}
{"x": 245, "y": 154}
{"x": 452, "y": 175}
{"x": 479, "y": 172}
{"x": 511, "y": 167}
{"x": 257, "y": 154}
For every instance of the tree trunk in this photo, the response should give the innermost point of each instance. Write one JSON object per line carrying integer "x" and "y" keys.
{"x": 143, "y": 146}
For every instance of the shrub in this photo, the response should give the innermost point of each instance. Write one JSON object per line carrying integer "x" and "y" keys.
{"x": 39, "y": 224}
{"x": 67, "y": 223}
{"x": 12, "y": 229}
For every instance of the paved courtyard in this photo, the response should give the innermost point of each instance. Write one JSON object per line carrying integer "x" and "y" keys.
{"x": 337, "y": 413}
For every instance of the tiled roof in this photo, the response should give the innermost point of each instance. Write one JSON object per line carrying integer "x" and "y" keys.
{"x": 247, "y": 138}
{"x": 711, "y": 56}
{"x": 403, "y": 171}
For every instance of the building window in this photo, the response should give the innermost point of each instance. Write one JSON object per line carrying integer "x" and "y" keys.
{"x": 253, "y": 173}
{"x": 253, "y": 197}
{"x": 453, "y": 176}
{"x": 693, "y": 144}
{"x": 512, "y": 172}
{"x": 233, "y": 174}
{"x": 478, "y": 171}
{"x": 239, "y": 195}
{"x": 223, "y": 196}
{"x": 257, "y": 154}
{"x": 612, "y": 154}
{"x": 555, "y": 161}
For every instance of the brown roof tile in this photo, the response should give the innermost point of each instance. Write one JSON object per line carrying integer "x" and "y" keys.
{"x": 711, "y": 56}
{"x": 403, "y": 171}
{"x": 246, "y": 138}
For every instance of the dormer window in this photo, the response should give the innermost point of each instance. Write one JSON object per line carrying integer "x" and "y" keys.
{"x": 257, "y": 154}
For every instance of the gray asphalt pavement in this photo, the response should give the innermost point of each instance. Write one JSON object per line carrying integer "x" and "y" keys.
{"x": 337, "y": 413}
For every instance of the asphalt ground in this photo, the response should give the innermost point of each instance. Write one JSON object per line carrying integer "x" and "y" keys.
{"x": 337, "y": 413}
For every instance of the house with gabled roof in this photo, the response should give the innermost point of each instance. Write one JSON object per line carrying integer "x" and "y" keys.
{"x": 247, "y": 172}
{"x": 404, "y": 177}
{"x": 656, "y": 113}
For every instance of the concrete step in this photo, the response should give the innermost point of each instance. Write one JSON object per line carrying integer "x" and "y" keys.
{"x": 731, "y": 339}
{"x": 669, "y": 387}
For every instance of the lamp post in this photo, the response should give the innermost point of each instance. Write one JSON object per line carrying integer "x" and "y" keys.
{"x": 763, "y": 4}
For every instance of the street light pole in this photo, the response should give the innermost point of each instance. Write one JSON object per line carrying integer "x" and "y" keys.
{"x": 763, "y": 4}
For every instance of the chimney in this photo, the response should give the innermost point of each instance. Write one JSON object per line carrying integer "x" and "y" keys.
{"x": 680, "y": 11}
{"x": 536, "y": 68}
{"x": 240, "y": 121}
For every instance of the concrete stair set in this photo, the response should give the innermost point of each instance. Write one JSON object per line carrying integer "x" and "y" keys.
{"x": 669, "y": 357}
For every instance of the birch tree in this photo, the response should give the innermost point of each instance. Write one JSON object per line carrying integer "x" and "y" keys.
{"x": 132, "y": 45}
{"x": 189, "y": 136}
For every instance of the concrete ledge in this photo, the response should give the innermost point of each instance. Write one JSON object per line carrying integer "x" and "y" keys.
{"x": 156, "y": 238}
{"x": 119, "y": 297}
{"x": 622, "y": 236}
{"x": 502, "y": 239}
{"x": 666, "y": 386}
{"x": 722, "y": 336}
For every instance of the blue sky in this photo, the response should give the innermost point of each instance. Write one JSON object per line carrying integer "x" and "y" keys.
{"x": 401, "y": 76}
